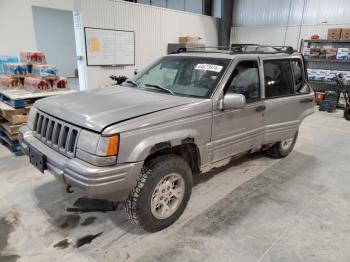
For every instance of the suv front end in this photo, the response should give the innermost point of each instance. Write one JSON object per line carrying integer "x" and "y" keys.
{"x": 78, "y": 157}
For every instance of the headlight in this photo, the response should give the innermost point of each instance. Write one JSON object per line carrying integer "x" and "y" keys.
{"x": 31, "y": 117}
{"x": 97, "y": 150}
{"x": 108, "y": 146}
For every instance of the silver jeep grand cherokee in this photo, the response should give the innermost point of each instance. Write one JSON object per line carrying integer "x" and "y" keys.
{"x": 185, "y": 114}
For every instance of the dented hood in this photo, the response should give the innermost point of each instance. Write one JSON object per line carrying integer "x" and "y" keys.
{"x": 99, "y": 108}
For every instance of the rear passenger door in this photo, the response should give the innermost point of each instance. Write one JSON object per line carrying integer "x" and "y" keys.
{"x": 288, "y": 98}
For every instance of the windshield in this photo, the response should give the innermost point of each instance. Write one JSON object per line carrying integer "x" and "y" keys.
{"x": 182, "y": 75}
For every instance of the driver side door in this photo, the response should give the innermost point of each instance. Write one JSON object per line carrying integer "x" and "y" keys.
{"x": 238, "y": 130}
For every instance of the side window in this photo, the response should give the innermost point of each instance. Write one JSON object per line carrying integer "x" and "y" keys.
{"x": 245, "y": 81}
{"x": 278, "y": 78}
{"x": 299, "y": 77}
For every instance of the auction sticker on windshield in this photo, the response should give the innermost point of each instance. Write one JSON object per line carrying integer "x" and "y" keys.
{"x": 209, "y": 67}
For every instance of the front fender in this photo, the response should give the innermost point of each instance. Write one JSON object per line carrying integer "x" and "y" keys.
{"x": 144, "y": 147}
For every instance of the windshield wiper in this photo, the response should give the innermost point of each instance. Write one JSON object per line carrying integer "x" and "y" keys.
{"x": 132, "y": 82}
{"x": 161, "y": 88}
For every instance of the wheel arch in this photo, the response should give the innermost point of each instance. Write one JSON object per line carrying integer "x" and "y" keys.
{"x": 187, "y": 150}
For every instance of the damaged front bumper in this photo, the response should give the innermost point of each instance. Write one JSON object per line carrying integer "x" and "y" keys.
{"x": 113, "y": 182}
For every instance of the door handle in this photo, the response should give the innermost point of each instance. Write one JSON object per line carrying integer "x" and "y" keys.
{"x": 306, "y": 100}
{"x": 260, "y": 108}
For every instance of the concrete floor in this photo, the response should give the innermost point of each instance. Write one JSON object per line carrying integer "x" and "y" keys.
{"x": 257, "y": 209}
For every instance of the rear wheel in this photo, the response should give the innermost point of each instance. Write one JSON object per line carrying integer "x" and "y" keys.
{"x": 347, "y": 113}
{"x": 162, "y": 192}
{"x": 283, "y": 148}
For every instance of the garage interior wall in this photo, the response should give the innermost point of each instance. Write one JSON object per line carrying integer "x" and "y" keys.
{"x": 154, "y": 28}
{"x": 276, "y": 22}
{"x": 16, "y": 23}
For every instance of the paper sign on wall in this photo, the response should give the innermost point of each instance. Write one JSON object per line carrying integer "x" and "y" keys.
{"x": 109, "y": 47}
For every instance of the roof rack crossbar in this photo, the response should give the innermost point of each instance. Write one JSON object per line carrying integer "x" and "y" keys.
{"x": 239, "y": 48}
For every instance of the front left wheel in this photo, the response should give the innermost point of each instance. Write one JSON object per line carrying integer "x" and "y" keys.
{"x": 161, "y": 194}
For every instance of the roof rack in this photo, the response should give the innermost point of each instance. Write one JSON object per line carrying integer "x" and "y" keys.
{"x": 239, "y": 49}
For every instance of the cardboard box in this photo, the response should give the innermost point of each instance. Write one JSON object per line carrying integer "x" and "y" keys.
{"x": 311, "y": 74}
{"x": 306, "y": 51}
{"x": 45, "y": 71}
{"x": 323, "y": 53}
{"x": 189, "y": 39}
{"x": 18, "y": 69}
{"x": 32, "y": 57}
{"x": 345, "y": 34}
{"x": 33, "y": 84}
{"x": 315, "y": 52}
{"x": 343, "y": 53}
{"x": 334, "y": 33}
{"x": 7, "y": 59}
{"x": 8, "y": 82}
{"x": 331, "y": 53}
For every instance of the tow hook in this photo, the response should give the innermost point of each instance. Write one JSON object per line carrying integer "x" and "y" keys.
{"x": 69, "y": 189}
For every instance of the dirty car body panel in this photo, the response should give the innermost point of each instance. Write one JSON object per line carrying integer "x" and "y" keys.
{"x": 150, "y": 120}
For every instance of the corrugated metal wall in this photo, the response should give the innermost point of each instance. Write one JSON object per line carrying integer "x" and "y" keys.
{"x": 154, "y": 28}
{"x": 276, "y": 12}
{"x": 282, "y": 22}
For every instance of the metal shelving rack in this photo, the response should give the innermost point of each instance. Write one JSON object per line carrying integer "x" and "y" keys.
{"x": 328, "y": 64}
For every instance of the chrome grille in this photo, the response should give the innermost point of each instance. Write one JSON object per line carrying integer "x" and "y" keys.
{"x": 55, "y": 133}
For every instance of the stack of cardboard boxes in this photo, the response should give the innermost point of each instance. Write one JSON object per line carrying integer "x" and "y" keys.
{"x": 329, "y": 52}
{"x": 31, "y": 73}
{"x": 338, "y": 34}
{"x": 327, "y": 75}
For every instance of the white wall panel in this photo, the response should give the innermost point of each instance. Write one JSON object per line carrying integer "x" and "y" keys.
{"x": 275, "y": 35}
{"x": 276, "y": 12}
{"x": 332, "y": 12}
{"x": 16, "y": 23}
{"x": 154, "y": 28}
{"x": 271, "y": 35}
{"x": 276, "y": 22}
{"x": 16, "y": 27}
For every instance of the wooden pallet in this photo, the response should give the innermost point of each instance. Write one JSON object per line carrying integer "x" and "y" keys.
{"x": 13, "y": 145}
{"x": 15, "y": 116}
{"x": 11, "y": 130}
{"x": 22, "y": 98}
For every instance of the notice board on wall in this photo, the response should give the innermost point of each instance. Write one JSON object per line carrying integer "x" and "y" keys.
{"x": 108, "y": 47}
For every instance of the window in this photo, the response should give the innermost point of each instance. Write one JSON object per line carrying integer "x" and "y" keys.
{"x": 278, "y": 78}
{"x": 299, "y": 78}
{"x": 193, "y": 6}
{"x": 245, "y": 81}
{"x": 160, "y": 3}
{"x": 183, "y": 75}
{"x": 176, "y": 4}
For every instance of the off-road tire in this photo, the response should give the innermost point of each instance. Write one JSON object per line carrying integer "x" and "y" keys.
{"x": 347, "y": 113}
{"x": 138, "y": 204}
{"x": 278, "y": 151}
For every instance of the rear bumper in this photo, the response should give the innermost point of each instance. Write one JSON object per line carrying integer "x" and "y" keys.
{"x": 114, "y": 182}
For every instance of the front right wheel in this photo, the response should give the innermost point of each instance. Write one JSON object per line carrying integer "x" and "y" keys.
{"x": 161, "y": 194}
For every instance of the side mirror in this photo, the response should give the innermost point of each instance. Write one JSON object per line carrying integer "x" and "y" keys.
{"x": 233, "y": 101}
